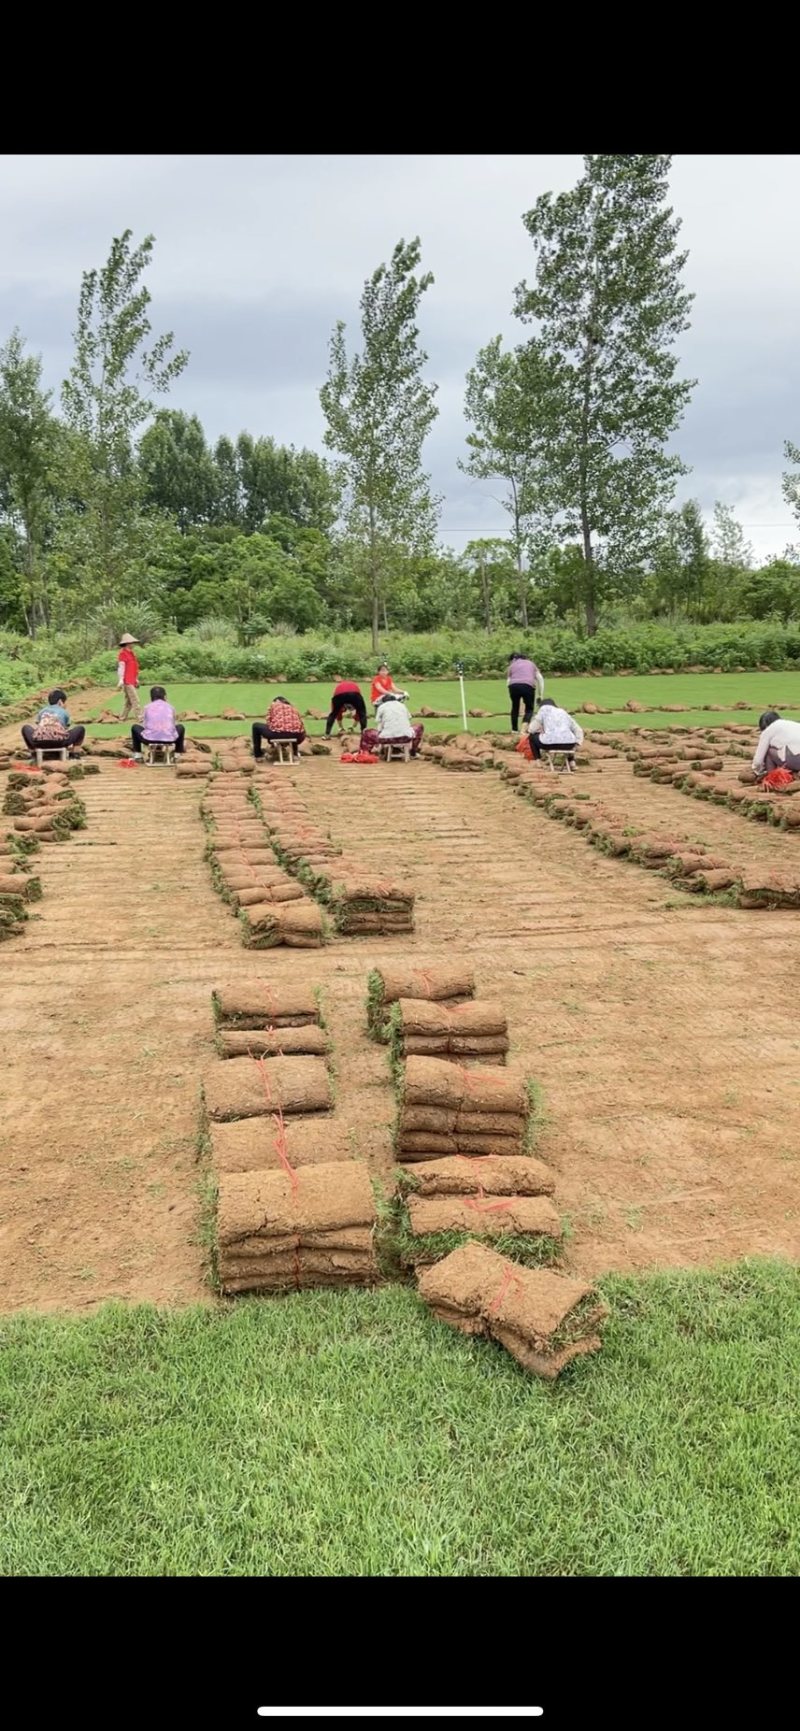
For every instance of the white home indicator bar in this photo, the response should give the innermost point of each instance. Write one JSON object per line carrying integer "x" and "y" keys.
{"x": 400, "y": 1712}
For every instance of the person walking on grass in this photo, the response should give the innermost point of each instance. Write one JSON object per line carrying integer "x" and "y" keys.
{"x": 159, "y": 724}
{"x": 283, "y": 722}
{"x": 554, "y": 729}
{"x": 778, "y": 746}
{"x": 346, "y": 699}
{"x": 128, "y": 677}
{"x": 51, "y": 729}
{"x": 525, "y": 686}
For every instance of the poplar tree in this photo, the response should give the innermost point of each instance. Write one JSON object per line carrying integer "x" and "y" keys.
{"x": 379, "y": 409}
{"x": 608, "y": 305}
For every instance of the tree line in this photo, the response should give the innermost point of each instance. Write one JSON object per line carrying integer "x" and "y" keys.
{"x": 114, "y": 507}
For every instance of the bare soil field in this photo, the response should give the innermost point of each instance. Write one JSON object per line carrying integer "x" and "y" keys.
{"x": 662, "y": 1033}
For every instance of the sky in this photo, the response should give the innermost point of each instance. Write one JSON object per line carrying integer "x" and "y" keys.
{"x": 256, "y": 257}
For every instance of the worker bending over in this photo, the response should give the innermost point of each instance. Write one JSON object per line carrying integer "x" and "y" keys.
{"x": 525, "y": 686}
{"x": 346, "y": 699}
{"x": 778, "y": 746}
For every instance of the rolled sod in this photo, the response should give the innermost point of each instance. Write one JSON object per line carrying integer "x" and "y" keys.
{"x": 544, "y": 1320}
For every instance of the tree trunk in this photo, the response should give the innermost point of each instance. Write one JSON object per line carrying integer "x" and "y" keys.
{"x": 374, "y": 577}
{"x": 487, "y": 604}
{"x": 523, "y": 595}
{"x": 523, "y": 587}
{"x": 590, "y": 569}
{"x": 589, "y": 577}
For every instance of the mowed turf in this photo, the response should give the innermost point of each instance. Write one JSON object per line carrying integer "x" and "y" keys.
{"x": 353, "y": 1435}
{"x": 758, "y": 690}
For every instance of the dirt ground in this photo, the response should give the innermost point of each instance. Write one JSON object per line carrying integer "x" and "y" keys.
{"x": 664, "y": 1037}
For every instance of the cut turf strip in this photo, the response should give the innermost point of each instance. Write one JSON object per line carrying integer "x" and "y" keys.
{"x": 545, "y": 1320}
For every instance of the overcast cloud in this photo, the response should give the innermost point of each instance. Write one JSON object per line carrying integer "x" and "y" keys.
{"x": 257, "y": 256}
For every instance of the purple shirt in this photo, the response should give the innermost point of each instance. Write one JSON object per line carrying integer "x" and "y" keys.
{"x": 158, "y": 723}
{"x": 522, "y": 672}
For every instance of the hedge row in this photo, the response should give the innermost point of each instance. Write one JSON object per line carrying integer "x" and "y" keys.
{"x": 645, "y": 649}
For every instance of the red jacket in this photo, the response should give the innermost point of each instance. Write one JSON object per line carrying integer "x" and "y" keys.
{"x": 346, "y": 685}
{"x": 130, "y": 666}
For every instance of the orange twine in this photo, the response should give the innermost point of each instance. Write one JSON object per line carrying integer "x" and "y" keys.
{"x": 509, "y": 1279}
{"x": 282, "y": 1153}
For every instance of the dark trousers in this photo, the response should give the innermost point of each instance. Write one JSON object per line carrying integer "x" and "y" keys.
{"x": 261, "y": 732}
{"x": 73, "y": 736}
{"x": 773, "y": 760}
{"x": 139, "y": 741}
{"x": 347, "y": 700}
{"x": 537, "y": 747}
{"x": 520, "y": 694}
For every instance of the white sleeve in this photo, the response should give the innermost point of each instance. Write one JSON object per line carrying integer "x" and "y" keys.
{"x": 539, "y": 686}
{"x": 120, "y": 673}
{"x": 761, "y": 749}
{"x": 577, "y": 730}
{"x": 537, "y": 724}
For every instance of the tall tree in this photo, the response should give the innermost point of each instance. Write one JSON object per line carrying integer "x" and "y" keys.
{"x": 608, "y": 304}
{"x": 177, "y": 469}
{"x": 491, "y": 564}
{"x": 681, "y": 565}
{"x": 379, "y": 409}
{"x": 729, "y": 543}
{"x": 108, "y": 398}
{"x": 501, "y": 407}
{"x": 28, "y": 439}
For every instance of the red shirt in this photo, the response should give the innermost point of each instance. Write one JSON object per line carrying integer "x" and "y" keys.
{"x": 130, "y": 666}
{"x": 284, "y": 718}
{"x": 346, "y": 685}
{"x": 382, "y": 683}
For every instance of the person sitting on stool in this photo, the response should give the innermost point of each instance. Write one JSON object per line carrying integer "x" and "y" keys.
{"x": 393, "y": 727}
{"x": 346, "y": 698}
{"x": 51, "y": 731}
{"x": 158, "y": 724}
{"x": 553, "y": 729}
{"x": 283, "y": 722}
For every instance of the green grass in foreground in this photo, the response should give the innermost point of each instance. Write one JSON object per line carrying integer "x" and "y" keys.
{"x": 352, "y": 1434}
{"x": 756, "y": 689}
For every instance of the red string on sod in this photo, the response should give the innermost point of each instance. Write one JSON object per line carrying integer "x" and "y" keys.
{"x": 509, "y": 1279}
{"x": 281, "y": 1151}
{"x": 479, "y": 1203}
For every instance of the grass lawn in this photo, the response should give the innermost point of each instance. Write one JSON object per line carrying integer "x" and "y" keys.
{"x": 351, "y": 1434}
{"x": 759, "y": 690}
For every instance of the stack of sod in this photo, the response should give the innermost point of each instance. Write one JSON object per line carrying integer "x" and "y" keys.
{"x": 544, "y": 1320}
{"x": 286, "y": 1230}
{"x": 262, "y": 1087}
{"x": 434, "y": 984}
{"x": 261, "y": 1022}
{"x": 470, "y": 1030}
{"x": 263, "y": 1144}
{"x": 273, "y": 908}
{"x": 45, "y": 806}
{"x": 501, "y": 1199}
{"x": 361, "y": 903}
{"x": 759, "y": 888}
{"x": 445, "y": 1109}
